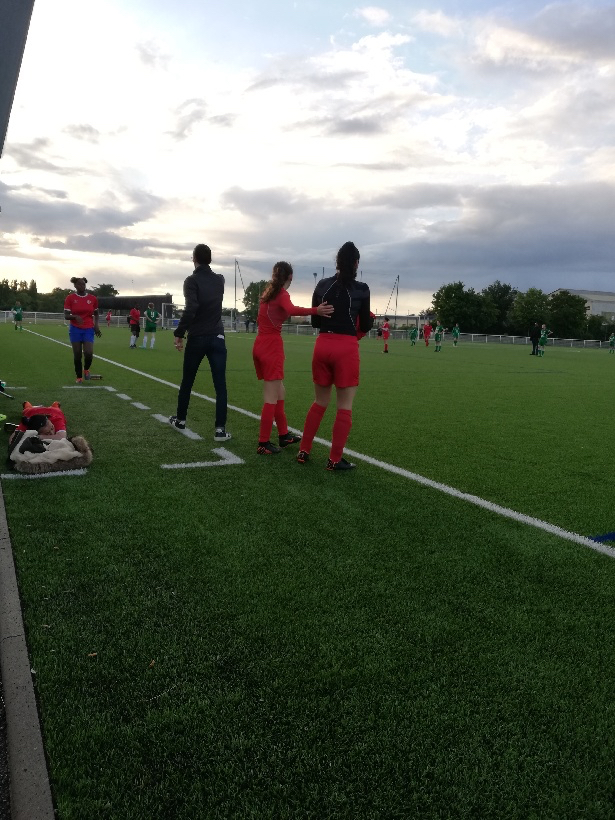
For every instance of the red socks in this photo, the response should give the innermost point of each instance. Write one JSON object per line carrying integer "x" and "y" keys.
{"x": 267, "y": 416}
{"x": 341, "y": 431}
{"x": 310, "y": 428}
{"x": 280, "y": 418}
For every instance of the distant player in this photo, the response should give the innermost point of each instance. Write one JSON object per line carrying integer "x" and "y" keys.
{"x": 542, "y": 342}
{"x": 108, "y": 318}
{"x": 17, "y": 315}
{"x": 385, "y": 334}
{"x": 81, "y": 310}
{"x": 134, "y": 320}
{"x": 427, "y": 328}
{"x": 413, "y": 336}
{"x": 151, "y": 320}
{"x": 456, "y": 333}
{"x": 612, "y": 343}
{"x": 268, "y": 355}
{"x": 439, "y": 336}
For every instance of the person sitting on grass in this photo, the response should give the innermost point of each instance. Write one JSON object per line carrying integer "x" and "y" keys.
{"x": 34, "y": 447}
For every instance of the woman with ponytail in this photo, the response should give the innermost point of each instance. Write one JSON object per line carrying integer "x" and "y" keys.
{"x": 268, "y": 354}
{"x": 336, "y": 354}
{"x": 81, "y": 310}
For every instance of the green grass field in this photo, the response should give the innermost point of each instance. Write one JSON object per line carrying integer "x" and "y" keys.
{"x": 266, "y": 640}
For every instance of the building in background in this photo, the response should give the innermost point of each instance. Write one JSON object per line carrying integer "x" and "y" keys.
{"x": 597, "y": 302}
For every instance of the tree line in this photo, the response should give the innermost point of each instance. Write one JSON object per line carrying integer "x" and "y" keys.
{"x": 502, "y": 309}
{"x": 31, "y": 299}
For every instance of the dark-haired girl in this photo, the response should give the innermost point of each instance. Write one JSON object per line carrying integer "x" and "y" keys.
{"x": 268, "y": 354}
{"x": 336, "y": 354}
{"x": 81, "y": 310}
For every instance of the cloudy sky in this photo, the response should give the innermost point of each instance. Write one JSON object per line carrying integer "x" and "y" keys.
{"x": 453, "y": 141}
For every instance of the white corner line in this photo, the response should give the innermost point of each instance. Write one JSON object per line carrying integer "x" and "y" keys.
{"x": 227, "y": 459}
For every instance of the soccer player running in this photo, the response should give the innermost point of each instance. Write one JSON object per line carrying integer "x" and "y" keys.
{"x": 413, "y": 336}
{"x": 81, "y": 310}
{"x": 427, "y": 328}
{"x": 456, "y": 333}
{"x": 268, "y": 354}
{"x": 336, "y": 354}
{"x": 151, "y": 321}
{"x": 17, "y": 312}
{"x": 386, "y": 329}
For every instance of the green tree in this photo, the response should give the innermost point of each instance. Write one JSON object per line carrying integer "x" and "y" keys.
{"x": 597, "y": 329}
{"x": 53, "y": 302}
{"x": 104, "y": 290}
{"x": 472, "y": 311}
{"x": 33, "y": 295}
{"x": 502, "y": 297}
{"x": 567, "y": 316}
{"x": 529, "y": 307}
{"x": 251, "y": 299}
{"x": 5, "y": 294}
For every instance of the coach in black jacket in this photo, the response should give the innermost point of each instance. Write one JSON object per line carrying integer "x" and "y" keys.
{"x": 202, "y": 319}
{"x": 534, "y": 337}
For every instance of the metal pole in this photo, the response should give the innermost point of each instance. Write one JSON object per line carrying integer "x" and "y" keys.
{"x": 233, "y": 325}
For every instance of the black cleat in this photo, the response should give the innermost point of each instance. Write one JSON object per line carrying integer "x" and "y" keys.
{"x": 302, "y": 457}
{"x": 181, "y": 425}
{"x": 288, "y": 438}
{"x": 342, "y": 464}
{"x": 266, "y": 448}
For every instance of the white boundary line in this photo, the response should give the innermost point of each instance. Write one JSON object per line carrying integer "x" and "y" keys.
{"x": 55, "y": 474}
{"x": 505, "y": 512}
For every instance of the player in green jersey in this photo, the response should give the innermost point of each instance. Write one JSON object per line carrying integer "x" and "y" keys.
{"x": 413, "y": 336}
{"x": 612, "y": 343}
{"x": 151, "y": 319}
{"x": 542, "y": 342}
{"x": 438, "y": 337}
{"x": 17, "y": 315}
{"x": 456, "y": 333}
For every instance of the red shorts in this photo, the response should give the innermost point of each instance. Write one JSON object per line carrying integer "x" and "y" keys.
{"x": 268, "y": 355}
{"x": 336, "y": 360}
{"x": 385, "y": 335}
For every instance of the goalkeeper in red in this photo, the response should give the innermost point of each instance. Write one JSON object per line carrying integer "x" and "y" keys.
{"x": 268, "y": 354}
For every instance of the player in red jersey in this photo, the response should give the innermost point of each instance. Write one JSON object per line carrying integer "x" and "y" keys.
{"x": 108, "y": 318}
{"x": 427, "y": 328}
{"x": 385, "y": 334}
{"x": 336, "y": 354}
{"x": 135, "y": 325}
{"x": 81, "y": 310}
{"x": 56, "y": 426}
{"x": 268, "y": 354}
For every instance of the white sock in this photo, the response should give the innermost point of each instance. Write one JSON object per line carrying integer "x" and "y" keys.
{"x": 145, "y": 341}
{"x": 151, "y": 344}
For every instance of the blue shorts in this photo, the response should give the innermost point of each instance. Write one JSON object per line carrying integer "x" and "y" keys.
{"x": 79, "y": 334}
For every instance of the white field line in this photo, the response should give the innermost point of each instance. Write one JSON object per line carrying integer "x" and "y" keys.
{"x": 56, "y": 474}
{"x": 505, "y": 512}
{"x": 185, "y": 432}
{"x": 226, "y": 459}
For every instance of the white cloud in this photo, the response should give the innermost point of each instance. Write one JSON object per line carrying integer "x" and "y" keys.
{"x": 436, "y": 22}
{"x": 373, "y": 15}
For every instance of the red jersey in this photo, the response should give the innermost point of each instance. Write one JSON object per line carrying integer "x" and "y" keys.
{"x": 385, "y": 330}
{"x": 135, "y": 315}
{"x": 56, "y": 416}
{"x": 427, "y": 331}
{"x": 83, "y": 306}
{"x": 271, "y": 315}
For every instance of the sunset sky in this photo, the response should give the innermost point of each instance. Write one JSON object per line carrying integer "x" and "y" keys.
{"x": 459, "y": 141}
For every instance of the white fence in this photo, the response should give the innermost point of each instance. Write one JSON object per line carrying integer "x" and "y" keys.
{"x": 305, "y": 329}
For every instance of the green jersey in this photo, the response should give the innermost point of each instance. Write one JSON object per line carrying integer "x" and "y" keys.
{"x": 414, "y": 333}
{"x": 543, "y": 337}
{"x": 612, "y": 340}
{"x": 17, "y": 314}
{"x": 439, "y": 333}
{"x": 456, "y": 332}
{"x": 150, "y": 320}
